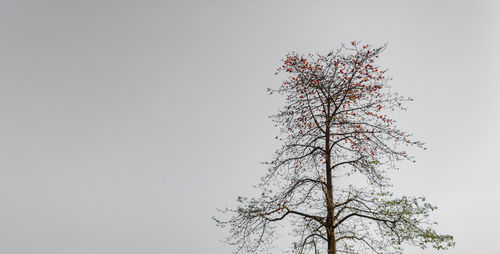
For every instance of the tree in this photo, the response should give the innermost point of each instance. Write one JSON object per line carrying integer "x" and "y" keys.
{"x": 335, "y": 133}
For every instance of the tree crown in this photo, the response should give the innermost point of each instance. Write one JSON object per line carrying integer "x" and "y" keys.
{"x": 334, "y": 125}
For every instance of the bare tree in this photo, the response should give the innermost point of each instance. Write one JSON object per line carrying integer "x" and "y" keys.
{"x": 335, "y": 131}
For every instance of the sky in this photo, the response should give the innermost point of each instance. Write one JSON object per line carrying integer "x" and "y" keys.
{"x": 124, "y": 125}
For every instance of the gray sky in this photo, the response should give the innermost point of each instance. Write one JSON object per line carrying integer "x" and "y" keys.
{"x": 125, "y": 124}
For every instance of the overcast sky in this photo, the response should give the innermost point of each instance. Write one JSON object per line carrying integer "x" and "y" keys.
{"x": 125, "y": 124}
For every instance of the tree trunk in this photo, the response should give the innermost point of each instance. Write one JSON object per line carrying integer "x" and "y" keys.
{"x": 329, "y": 194}
{"x": 332, "y": 248}
{"x": 330, "y": 218}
